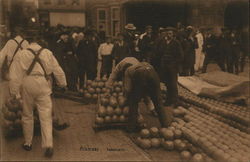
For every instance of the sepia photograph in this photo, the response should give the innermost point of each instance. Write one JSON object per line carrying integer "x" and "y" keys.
{"x": 124, "y": 80}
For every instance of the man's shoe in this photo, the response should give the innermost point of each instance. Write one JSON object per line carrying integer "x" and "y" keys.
{"x": 49, "y": 152}
{"x": 60, "y": 127}
{"x": 27, "y": 147}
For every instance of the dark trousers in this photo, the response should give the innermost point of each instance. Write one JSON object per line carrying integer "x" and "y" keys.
{"x": 169, "y": 77}
{"x": 106, "y": 65}
{"x": 211, "y": 56}
{"x": 234, "y": 61}
{"x": 71, "y": 72}
{"x": 242, "y": 61}
{"x": 71, "y": 81}
{"x": 149, "y": 87}
{"x": 89, "y": 72}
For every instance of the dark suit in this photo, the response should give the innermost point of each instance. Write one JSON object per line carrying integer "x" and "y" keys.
{"x": 189, "y": 56}
{"x": 67, "y": 60}
{"x": 209, "y": 48}
{"x": 170, "y": 54}
{"x": 225, "y": 52}
{"x": 120, "y": 51}
{"x": 234, "y": 59}
{"x": 147, "y": 48}
{"x": 87, "y": 55}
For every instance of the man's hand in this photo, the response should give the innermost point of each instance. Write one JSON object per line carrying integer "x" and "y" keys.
{"x": 62, "y": 89}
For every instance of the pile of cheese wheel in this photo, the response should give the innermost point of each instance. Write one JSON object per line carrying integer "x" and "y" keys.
{"x": 12, "y": 114}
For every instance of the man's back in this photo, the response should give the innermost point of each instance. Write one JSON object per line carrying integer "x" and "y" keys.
{"x": 10, "y": 47}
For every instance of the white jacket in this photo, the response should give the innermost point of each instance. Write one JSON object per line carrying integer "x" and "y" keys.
{"x": 10, "y": 47}
{"x": 22, "y": 62}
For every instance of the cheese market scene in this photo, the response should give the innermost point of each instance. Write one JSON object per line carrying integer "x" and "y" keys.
{"x": 124, "y": 80}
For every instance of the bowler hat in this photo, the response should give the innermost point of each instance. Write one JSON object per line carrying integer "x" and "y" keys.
{"x": 189, "y": 28}
{"x": 161, "y": 29}
{"x": 130, "y": 27}
{"x": 148, "y": 27}
{"x": 169, "y": 28}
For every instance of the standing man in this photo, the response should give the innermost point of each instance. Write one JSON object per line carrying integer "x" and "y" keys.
{"x": 225, "y": 49}
{"x": 129, "y": 36}
{"x": 209, "y": 48}
{"x": 28, "y": 76}
{"x": 67, "y": 60}
{"x": 156, "y": 58}
{"x": 87, "y": 55}
{"x": 7, "y": 55}
{"x": 147, "y": 45}
{"x": 104, "y": 54}
{"x": 235, "y": 42}
{"x": 199, "y": 55}
{"x": 136, "y": 52}
{"x": 171, "y": 53}
{"x": 189, "y": 52}
{"x": 140, "y": 81}
{"x": 121, "y": 49}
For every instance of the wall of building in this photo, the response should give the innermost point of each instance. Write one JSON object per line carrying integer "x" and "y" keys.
{"x": 65, "y": 12}
{"x": 201, "y": 13}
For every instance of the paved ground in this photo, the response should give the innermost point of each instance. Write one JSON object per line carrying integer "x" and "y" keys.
{"x": 71, "y": 144}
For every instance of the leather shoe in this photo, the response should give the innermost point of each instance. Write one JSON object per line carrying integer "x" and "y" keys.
{"x": 49, "y": 152}
{"x": 60, "y": 127}
{"x": 27, "y": 147}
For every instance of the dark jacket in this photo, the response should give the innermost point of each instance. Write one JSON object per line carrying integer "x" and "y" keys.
{"x": 66, "y": 56}
{"x": 189, "y": 47}
{"x": 225, "y": 47}
{"x": 209, "y": 45}
{"x": 129, "y": 39}
{"x": 119, "y": 52}
{"x": 171, "y": 52}
{"x": 147, "y": 44}
{"x": 87, "y": 53}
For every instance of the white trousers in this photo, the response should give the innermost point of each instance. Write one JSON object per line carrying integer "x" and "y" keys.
{"x": 36, "y": 92}
{"x": 4, "y": 93}
{"x": 199, "y": 59}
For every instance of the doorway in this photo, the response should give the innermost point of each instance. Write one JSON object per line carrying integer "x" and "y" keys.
{"x": 157, "y": 14}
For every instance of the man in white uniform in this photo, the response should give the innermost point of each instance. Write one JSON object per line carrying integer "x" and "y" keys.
{"x": 7, "y": 54}
{"x": 199, "y": 55}
{"x": 28, "y": 76}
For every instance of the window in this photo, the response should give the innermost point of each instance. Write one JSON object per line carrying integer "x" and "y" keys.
{"x": 102, "y": 20}
{"x": 61, "y": 2}
{"x": 47, "y": 2}
{"x": 115, "y": 21}
{"x": 75, "y": 2}
{"x": 102, "y": 15}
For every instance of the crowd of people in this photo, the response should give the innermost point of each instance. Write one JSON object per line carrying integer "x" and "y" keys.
{"x": 78, "y": 50}
{"x": 69, "y": 56}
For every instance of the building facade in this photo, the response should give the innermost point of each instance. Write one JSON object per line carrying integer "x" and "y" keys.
{"x": 112, "y": 15}
{"x": 65, "y": 12}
